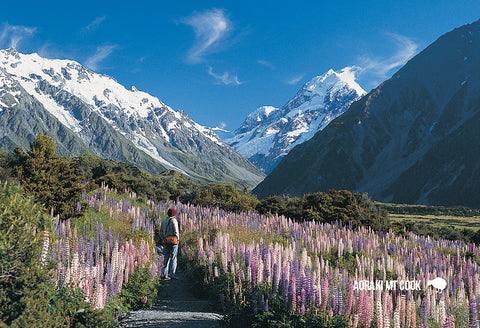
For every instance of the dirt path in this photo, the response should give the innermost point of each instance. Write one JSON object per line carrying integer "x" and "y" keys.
{"x": 176, "y": 307}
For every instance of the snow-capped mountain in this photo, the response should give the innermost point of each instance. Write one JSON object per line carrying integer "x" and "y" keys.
{"x": 414, "y": 139}
{"x": 268, "y": 134}
{"x": 84, "y": 111}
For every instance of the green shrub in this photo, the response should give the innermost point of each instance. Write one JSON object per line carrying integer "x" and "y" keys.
{"x": 20, "y": 244}
{"x": 344, "y": 206}
{"x": 167, "y": 185}
{"x": 27, "y": 296}
{"x": 226, "y": 197}
{"x": 140, "y": 292}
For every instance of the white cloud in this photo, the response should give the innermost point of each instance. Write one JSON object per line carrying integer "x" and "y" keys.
{"x": 12, "y": 35}
{"x": 210, "y": 28}
{"x": 266, "y": 63}
{"x": 294, "y": 80}
{"x": 101, "y": 54}
{"x": 381, "y": 67}
{"x": 44, "y": 51}
{"x": 225, "y": 78}
{"x": 221, "y": 128}
{"x": 94, "y": 24}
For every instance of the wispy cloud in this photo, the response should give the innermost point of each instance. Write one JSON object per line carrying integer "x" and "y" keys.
{"x": 45, "y": 51}
{"x": 221, "y": 128}
{"x": 266, "y": 63}
{"x": 101, "y": 54}
{"x": 12, "y": 35}
{"x": 225, "y": 78}
{"x": 210, "y": 28}
{"x": 94, "y": 24}
{"x": 294, "y": 80}
{"x": 406, "y": 48}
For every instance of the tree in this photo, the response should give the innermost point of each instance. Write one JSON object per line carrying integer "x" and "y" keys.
{"x": 50, "y": 178}
{"x": 226, "y": 197}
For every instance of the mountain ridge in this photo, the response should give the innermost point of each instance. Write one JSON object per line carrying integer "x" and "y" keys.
{"x": 269, "y": 133}
{"x": 396, "y": 143}
{"x": 109, "y": 120}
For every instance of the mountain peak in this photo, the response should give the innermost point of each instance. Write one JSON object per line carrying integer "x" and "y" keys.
{"x": 332, "y": 79}
{"x": 11, "y": 52}
{"x": 85, "y": 110}
{"x": 413, "y": 139}
{"x": 269, "y": 133}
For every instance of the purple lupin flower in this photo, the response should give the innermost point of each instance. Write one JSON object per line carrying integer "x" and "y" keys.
{"x": 473, "y": 314}
{"x": 339, "y": 301}
{"x": 276, "y": 279}
{"x": 293, "y": 293}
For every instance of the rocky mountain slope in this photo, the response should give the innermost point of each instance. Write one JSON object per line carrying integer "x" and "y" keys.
{"x": 86, "y": 111}
{"x": 268, "y": 134}
{"x": 413, "y": 139}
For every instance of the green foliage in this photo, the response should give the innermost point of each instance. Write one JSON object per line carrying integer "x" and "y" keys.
{"x": 44, "y": 306}
{"x": 6, "y": 171}
{"x": 27, "y": 298}
{"x": 140, "y": 292}
{"x": 279, "y": 316}
{"x": 443, "y": 231}
{"x": 428, "y": 210}
{"x": 51, "y": 179}
{"x": 343, "y": 206}
{"x": 226, "y": 197}
{"x": 69, "y": 303}
{"x": 20, "y": 218}
{"x": 167, "y": 185}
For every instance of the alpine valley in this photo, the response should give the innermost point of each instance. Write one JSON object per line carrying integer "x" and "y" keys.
{"x": 85, "y": 111}
{"x": 269, "y": 133}
{"x": 413, "y": 139}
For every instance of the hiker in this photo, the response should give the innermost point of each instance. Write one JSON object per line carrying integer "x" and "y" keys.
{"x": 169, "y": 234}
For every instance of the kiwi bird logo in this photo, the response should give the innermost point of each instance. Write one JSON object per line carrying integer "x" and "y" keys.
{"x": 438, "y": 283}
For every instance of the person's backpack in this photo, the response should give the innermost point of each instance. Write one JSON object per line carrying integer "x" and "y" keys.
{"x": 170, "y": 239}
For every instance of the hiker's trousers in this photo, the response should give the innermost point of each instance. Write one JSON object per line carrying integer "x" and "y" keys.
{"x": 170, "y": 260}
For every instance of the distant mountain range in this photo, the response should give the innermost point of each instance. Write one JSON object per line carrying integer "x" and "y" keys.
{"x": 268, "y": 134}
{"x": 85, "y": 111}
{"x": 413, "y": 139}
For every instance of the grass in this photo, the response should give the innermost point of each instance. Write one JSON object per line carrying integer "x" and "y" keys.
{"x": 120, "y": 223}
{"x": 459, "y": 222}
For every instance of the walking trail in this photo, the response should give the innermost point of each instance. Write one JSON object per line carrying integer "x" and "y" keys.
{"x": 176, "y": 306}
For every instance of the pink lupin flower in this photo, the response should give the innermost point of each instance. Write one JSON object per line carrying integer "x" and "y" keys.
{"x": 386, "y": 321}
{"x": 355, "y": 320}
{"x": 396, "y": 319}
{"x": 378, "y": 310}
{"x": 402, "y": 309}
{"x": 348, "y": 308}
{"x": 324, "y": 294}
{"x": 412, "y": 313}
{"x": 260, "y": 271}
{"x": 367, "y": 312}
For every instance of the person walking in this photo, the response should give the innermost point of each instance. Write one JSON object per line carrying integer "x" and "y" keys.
{"x": 169, "y": 234}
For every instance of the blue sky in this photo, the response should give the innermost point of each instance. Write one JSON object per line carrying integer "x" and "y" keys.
{"x": 220, "y": 60}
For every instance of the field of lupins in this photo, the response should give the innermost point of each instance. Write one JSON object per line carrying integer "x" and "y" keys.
{"x": 308, "y": 267}
{"x": 102, "y": 263}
